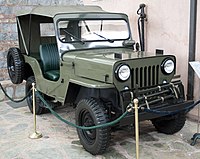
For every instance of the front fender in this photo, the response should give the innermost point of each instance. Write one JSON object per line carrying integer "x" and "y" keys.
{"x": 91, "y": 83}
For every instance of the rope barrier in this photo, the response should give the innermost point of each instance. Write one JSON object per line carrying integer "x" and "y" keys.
{"x": 77, "y": 126}
{"x": 16, "y": 101}
{"x": 101, "y": 125}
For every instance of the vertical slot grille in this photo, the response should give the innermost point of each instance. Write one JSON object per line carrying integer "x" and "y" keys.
{"x": 145, "y": 76}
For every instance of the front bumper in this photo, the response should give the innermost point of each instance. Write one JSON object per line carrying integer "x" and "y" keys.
{"x": 166, "y": 97}
{"x": 129, "y": 119}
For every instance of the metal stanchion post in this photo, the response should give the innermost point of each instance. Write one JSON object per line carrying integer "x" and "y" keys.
{"x": 35, "y": 134}
{"x": 195, "y": 65}
{"x": 196, "y": 136}
{"x": 136, "y": 127}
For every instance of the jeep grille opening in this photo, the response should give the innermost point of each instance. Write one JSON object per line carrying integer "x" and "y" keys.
{"x": 145, "y": 76}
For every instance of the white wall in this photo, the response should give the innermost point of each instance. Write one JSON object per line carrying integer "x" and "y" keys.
{"x": 197, "y": 81}
{"x": 167, "y": 27}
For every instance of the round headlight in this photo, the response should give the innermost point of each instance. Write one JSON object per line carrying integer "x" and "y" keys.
{"x": 168, "y": 66}
{"x": 123, "y": 72}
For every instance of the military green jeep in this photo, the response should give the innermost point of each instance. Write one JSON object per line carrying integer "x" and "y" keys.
{"x": 85, "y": 56}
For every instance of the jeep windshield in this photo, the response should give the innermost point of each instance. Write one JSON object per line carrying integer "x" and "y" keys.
{"x": 89, "y": 33}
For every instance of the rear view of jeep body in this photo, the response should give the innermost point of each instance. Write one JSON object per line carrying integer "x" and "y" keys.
{"x": 85, "y": 56}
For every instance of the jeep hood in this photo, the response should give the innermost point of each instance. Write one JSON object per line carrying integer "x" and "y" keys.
{"x": 98, "y": 64}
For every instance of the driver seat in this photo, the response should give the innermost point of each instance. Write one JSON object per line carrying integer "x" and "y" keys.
{"x": 50, "y": 61}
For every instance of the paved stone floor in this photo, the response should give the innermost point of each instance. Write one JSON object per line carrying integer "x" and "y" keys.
{"x": 61, "y": 141}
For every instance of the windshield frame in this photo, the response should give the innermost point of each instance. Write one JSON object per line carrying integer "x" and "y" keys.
{"x": 78, "y": 39}
{"x": 90, "y": 16}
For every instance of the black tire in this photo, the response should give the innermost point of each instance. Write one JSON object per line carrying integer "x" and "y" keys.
{"x": 15, "y": 65}
{"x": 90, "y": 112}
{"x": 39, "y": 105}
{"x": 170, "y": 125}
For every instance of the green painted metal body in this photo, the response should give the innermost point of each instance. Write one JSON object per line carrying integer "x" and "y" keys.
{"x": 92, "y": 69}
{"x": 58, "y": 89}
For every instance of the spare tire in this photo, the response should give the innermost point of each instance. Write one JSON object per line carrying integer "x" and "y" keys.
{"x": 15, "y": 65}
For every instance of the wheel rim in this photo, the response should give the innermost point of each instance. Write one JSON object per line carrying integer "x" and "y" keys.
{"x": 11, "y": 67}
{"x": 86, "y": 120}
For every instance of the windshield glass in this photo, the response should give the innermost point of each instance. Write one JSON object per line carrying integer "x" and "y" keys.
{"x": 104, "y": 32}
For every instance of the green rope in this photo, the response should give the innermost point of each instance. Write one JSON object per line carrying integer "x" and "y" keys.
{"x": 16, "y": 101}
{"x": 76, "y": 126}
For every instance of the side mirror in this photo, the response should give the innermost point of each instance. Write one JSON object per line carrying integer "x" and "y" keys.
{"x": 129, "y": 43}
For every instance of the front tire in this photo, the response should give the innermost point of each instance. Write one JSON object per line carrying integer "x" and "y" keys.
{"x": 170, "y": 125}
{"x": 90, "y": 112}
{"x": 39, "y": 105}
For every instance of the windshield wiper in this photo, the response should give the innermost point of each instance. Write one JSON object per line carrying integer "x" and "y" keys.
{"x": 87, "y": 27}
{"x": 109, "y": 40}
{"x": 79, "y": 40}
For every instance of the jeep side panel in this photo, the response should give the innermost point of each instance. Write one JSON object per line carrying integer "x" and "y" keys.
{"x": 58, "y": 89}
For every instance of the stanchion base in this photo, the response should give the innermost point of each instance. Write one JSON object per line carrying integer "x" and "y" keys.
{"x": 35, "y": 135}
{"x": 194, "y": 138}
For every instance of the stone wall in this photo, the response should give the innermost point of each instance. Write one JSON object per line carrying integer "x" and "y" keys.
{"x": 9, "y": 38}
